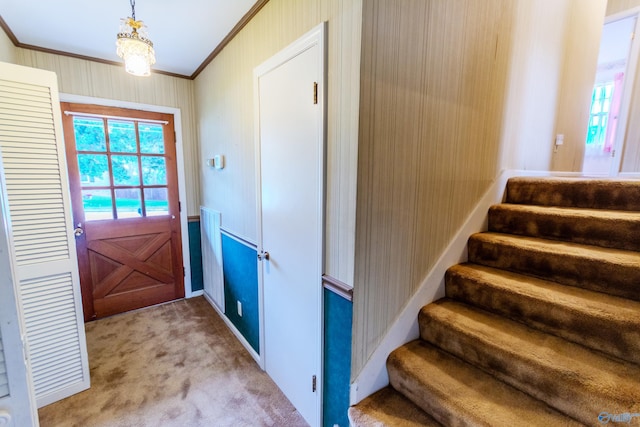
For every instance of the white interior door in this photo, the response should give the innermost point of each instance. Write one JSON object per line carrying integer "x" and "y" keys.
{"x": 610, "y": 105}
{"x": 17, "y": 399}
{"x": 291, "y": 164}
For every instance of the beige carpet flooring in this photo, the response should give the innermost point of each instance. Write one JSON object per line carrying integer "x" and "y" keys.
{"x": 171, "y": 365}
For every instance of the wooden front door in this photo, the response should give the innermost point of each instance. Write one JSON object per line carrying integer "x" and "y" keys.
{"x": 124, "y": 192}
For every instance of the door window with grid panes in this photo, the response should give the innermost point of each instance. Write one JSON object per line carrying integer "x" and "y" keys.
{"x": 122, "y": 167}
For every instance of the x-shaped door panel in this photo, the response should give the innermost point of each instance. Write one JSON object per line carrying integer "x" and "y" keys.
{"x": 142, "y": 261}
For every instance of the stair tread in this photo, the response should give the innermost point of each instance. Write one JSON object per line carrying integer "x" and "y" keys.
{"x": 578, "y": 192}
{"x": 584, "y": 381}
{"x": 594, "y": 319}
{"x": 597, "y": 304}
{"x": 607, "y": 270}
{"x": 536, "y": 244}
{"x": 578, "y": 213}
{"x": 599, "y": 227}
{"x": 387, "y": 407}
{"x": 544, "y": 180}
{"x": 456, "y": 393}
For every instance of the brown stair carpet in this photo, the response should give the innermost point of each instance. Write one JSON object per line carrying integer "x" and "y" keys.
{"x": 606, "y": 228}
{"x": 623, "y": 195}
{"x": 540, "y": 327}
{"x": 388, "y": 407}
{"x": 596, "y": 320}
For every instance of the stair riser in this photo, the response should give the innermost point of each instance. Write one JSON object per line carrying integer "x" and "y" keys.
{"x": 387, "y": 407}
{"x": 593, "y": 194}
{"x": 601, "y": 276}
{"x": 609, "y": 335}
{"x": 560, "y": 390}
{"x": 620, "y": 234}
{"x": 425, "y": 375}
{"x": 425, "y": 397}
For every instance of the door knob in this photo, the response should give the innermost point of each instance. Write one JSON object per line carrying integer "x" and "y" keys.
{"x": 263, "y": 255}
{"x": 78, "y": 231}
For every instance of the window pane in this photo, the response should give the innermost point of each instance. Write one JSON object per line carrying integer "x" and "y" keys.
{"x": 122, "y": 137}
{"x": 151, "y": 138}
{"x": 94, "y": 170}
{"x": 97, "y": 204}
{"x": 89, "y": 134}
{"x": 125, "y": 170}
{"x": 156, "y": 201}
{"x": 154, "y": 170}
{"x": 128, "y": 203}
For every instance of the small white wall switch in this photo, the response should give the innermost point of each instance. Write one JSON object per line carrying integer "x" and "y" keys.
{"x": 218, "y": 161}
{"x": 239, "y": 309}
{"x": 559, "y": 139}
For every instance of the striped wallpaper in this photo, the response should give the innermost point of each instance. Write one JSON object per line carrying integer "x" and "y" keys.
{"x": 87, "y": 78}
{"x": 224, "y": 96}
{"x": 419, "y": 96}
{"x": 432, "y": 96}
{"x": 451, "y": 92}
{"x": 7, "y": 49}
{"x": 617, "y": 6}
{"x": 583, "y": 29}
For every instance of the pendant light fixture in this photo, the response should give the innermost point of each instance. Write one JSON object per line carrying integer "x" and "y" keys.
{"x": 134, "y": 46}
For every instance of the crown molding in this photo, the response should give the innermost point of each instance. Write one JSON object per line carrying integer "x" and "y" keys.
{"x": 234, "y": 31}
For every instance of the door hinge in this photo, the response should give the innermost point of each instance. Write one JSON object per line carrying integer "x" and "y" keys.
{"x": 313, "y": 384}
{"x": 175, "y": 138}
{"x": 179, "y": 206}
{"x": 315, "y": 92}
{"x": 184, "y": 272}
{"x": 613, "y": 153}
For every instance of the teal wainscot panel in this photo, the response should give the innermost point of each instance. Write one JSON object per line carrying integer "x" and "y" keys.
{"x": 195, "y": 254}
{"x": 337, "y": 359}
{"x": 241, "y": 285}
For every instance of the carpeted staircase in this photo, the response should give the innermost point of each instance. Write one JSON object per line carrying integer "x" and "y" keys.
{"x": 540, "y": 327}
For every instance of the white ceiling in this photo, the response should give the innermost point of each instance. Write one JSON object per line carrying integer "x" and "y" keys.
{"x": 184, "y": 32}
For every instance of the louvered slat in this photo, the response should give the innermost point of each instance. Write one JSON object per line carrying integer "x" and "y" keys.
{"x": 54, "y": 348}
{"x": 42, "y": 239}
{"x": 30, "y": 143}
{"x": 18, "y": 87}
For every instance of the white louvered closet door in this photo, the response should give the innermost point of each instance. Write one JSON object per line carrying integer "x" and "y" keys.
{"x": 41, "y": 231}
{"x": 17, "y": 400}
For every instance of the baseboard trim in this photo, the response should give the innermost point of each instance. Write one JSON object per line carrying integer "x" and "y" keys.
{"x": 235, "y": 331}
{"x": 629, "y": 175}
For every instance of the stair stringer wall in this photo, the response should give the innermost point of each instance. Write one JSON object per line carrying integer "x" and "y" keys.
{"x": 373, "y": 375}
